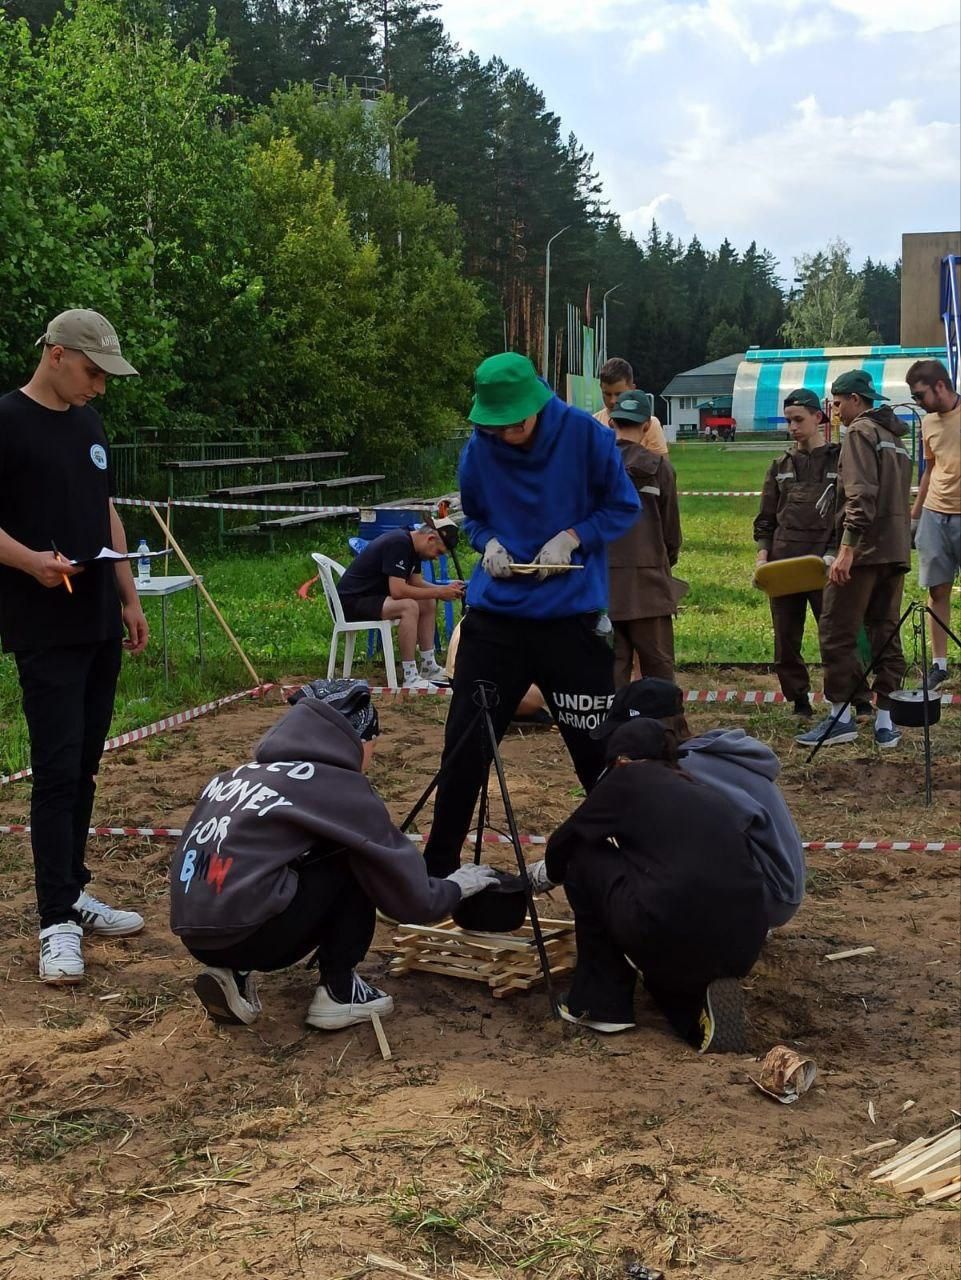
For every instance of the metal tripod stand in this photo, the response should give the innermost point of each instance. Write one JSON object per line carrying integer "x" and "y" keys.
{"x": 918, "y": 612}
{"x": 485, "y": 699}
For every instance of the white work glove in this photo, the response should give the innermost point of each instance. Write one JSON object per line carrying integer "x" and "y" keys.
{"x": 471, "y": 879}
{"x": 496, "y": 561}
{"x": 537, "y": 874}
{"x": 556, "y": 552}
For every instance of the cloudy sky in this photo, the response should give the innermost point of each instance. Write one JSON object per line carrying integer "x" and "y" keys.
{"x": 786, "y": 121}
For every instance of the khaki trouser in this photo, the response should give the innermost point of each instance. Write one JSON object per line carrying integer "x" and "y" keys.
{"x": 871, "y": 599}
{"x": 788, "y": 614}
{"x": 652, "y": 639}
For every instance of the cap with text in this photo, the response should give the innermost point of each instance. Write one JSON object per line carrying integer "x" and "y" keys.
{"x": 94, "y": 335}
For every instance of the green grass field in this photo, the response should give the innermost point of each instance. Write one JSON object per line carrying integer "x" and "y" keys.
{"x": 723, "y": 619}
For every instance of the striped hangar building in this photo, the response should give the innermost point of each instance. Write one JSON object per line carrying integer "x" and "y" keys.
{"x": 751, "y": 387}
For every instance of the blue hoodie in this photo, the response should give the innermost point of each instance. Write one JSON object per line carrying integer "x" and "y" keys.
{"x": 744, "y": 771}
{"x": 571, "y": 477}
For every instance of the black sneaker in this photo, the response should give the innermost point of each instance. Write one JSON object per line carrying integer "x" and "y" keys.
{"x": 229, "y": 996}
{"x": 608, "y": 1026}
{"x": 722, "y": 1018}
{"x": 937, "y": 677}
{"x": 802, "y": 707}
{"x": 333, "y": 1008}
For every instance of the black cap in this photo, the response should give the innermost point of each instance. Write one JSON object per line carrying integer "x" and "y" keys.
{"x": 350, "y": 697}
{"x": 803, "y": 398}
{"x": 651, "y": 697}
{"x": 638, "y": 739}
{"x": 500, "y": 909}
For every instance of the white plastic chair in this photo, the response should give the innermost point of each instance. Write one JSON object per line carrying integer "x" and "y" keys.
{"x": 327, "y": 568}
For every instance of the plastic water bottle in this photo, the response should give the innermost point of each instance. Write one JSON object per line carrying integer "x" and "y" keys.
{"x": 143, "y": 564}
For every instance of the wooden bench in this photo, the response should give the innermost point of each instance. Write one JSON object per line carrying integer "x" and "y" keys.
{"x": 308, "y": 460}
{"x": 350, "y": 482}
{"x": 306, "y": 517}
{"x": 256, "y": 490}
{"x": 214, "y": 464}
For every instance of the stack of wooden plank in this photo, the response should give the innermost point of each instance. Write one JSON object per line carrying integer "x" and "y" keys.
{"x": 506, "y": 962}
{"x": 929, "y": 1165}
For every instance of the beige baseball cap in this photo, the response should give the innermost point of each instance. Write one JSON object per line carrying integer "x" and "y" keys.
{"x": 91, "y": 333}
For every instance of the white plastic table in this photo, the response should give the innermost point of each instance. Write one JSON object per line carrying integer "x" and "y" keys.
{"x": 165, "y": 587}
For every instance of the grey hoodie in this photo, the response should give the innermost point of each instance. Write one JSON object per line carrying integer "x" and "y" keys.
{"x": 744, "y": 771}
{"x": 236, "y": 864}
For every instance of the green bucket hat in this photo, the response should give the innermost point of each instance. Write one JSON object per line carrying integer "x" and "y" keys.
{"x": 856, "y": 383}
{"x": 803, "y": 398}
{"x": 506, "y": 390}
{"x": 632, "y": 406}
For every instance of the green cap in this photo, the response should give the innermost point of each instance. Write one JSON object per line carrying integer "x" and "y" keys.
{"x": 803, "y": 398}
{"x": 632, "y": 406}
{"x": 91, "y": 333}
{"x": 507, "y": 390}
{"x": 856, "y": 383}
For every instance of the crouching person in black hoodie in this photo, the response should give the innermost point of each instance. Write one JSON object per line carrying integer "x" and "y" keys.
{"x": 659, "y": 873}
{"x": 292, "y": 853}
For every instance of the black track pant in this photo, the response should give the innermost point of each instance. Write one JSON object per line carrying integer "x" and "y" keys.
{"x": 612, "y": 921}
{"x": 571, "y": 666}
{"x": 68, "y": 698}
{"x": 329, "y": 914}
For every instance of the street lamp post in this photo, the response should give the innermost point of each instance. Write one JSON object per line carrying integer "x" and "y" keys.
{"x": 604, "y": 316}
{"x": 547, "y": 298}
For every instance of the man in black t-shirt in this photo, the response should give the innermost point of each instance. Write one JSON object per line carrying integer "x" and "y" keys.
{"x": 385, "y": 581}
{"x": 63, "y": 623}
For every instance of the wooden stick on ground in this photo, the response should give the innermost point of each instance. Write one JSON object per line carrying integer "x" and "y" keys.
{"x": 382, "y": 1044}
{"x": 206, "y": 594}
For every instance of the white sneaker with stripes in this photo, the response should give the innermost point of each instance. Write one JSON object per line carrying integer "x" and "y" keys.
{"x": 106, "y": 922}
{"x": 61, "y": 960}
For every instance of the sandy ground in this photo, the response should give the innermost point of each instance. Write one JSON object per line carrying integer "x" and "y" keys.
{"x": 139, "y": 1140}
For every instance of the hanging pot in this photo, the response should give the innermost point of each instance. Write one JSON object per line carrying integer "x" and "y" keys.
{"x": 907, "y": 707}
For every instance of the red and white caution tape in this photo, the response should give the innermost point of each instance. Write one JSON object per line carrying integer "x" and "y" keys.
{"x": 231, "y": 506}
{"x": 752, "y": 697}
{"x": 160, "y": 726}
{"x": 719, "y": 493}
{"x": 819, "y": 846}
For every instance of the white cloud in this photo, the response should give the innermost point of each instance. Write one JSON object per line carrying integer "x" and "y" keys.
{"x": 754, "y": 27}
{"x": 665, "y": 210}
{"x": 813, "y": 175}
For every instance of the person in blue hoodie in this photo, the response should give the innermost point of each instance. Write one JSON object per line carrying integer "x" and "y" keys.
{"x": 541, "y": 484}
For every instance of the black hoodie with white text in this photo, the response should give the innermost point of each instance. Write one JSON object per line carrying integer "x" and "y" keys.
{"x": 235, "y": 866}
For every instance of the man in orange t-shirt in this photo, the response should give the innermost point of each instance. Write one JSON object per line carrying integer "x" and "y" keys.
{"x": 616, "y": 376}
{"x": 936, "y": 514}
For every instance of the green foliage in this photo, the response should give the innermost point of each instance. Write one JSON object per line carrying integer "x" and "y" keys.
{"x": 829, "y": 309}
{"x": 278, "y": 277}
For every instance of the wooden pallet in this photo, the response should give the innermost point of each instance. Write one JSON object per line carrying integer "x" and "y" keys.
{"x": 929, "y": 1165}
{"x": 506, "y": 962}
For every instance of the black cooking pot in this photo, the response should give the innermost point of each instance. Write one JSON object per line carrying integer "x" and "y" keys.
{"x": 907, "y": 707}
{"x": 500, "y": 909}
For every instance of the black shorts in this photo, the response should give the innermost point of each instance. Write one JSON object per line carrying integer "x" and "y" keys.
{"x": 363, "y": 608}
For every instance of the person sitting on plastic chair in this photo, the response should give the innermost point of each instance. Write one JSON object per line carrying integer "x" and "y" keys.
{"x": 385, "y": 582}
